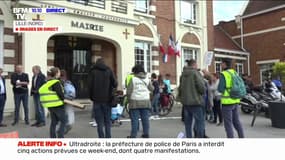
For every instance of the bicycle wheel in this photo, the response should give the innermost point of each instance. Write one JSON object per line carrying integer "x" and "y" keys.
{"x": 171, "y": 101}
{"x": 163, "y": 111}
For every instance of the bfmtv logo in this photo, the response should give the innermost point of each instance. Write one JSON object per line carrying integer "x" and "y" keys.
{"x": 38, "y": 17}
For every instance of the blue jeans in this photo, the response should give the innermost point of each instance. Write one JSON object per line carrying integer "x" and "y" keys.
{"x": 102, "y": 113}
{"x": 155, "y": 103}
{"x": 2, "y": 105}
{"x": 231, "y": 119}
{"x": 57, "y": 114}
{"x": 195, "y": 112}
{"x": 18, "y": 97}
{"x": 135, "y": 114}
{"x": 39, "y": 110}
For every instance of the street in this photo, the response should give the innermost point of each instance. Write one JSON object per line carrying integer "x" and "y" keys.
{"x": 165, "y": 127}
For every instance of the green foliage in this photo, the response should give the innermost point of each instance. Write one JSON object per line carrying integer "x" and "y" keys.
{"x": 279, "y": 71}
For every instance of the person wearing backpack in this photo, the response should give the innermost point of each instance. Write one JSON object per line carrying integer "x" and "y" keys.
{"x": 163, "y": 90}
{"x": 156, "y": 96}
{"x": 70, "y": 94}
{"x": 233, "y": 89}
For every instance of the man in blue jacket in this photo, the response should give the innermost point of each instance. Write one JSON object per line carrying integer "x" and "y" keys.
{"x": 2, "y": 98}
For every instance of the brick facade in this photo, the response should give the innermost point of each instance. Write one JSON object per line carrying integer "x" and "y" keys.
{"x": 210, "y": 27}
{"x": 12, "y": 50}
{"x": 165, "y": 19}
{"x": 263, "y": 47}
{"x": 163, "y": 24}
{"x": 50, "y": 52}
{"x": 263, "y": 37}
{"x": 191, "y": 39}
{"x": 143, "y": 30}
{"x": 264, "y": 21}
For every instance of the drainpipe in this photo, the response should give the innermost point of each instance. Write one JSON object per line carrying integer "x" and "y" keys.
{"x": 241, "y": 32}
{"x": 242, "y": 45}
{"x": 248, "y": 64}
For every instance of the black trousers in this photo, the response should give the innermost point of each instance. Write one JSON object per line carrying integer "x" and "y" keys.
{"x": 57, "y": 115}
{"x": 217, "y": 111}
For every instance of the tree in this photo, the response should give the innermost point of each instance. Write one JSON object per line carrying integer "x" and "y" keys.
{"x": 279, "y": 71}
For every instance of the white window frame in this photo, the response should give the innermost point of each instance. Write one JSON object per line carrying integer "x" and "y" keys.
{"x": 264, "y": 67}
{"x": 220, "y": 63}
{"x": 193, "y": 12}
{"x": 1, "y": 44}
{"x": 195, "y": 53}
{"x": 142, "y": 9}
{"x": 146, "y": 46}
{"x": 237, "y": 68}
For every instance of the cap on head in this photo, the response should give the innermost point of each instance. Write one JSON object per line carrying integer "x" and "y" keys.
{"x": 227, "y": 62}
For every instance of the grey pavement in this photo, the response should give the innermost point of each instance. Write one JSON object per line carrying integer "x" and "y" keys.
{"x": 168, "y": 127}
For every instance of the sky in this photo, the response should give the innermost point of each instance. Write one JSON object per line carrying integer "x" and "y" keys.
{"x": 225, "y": 10}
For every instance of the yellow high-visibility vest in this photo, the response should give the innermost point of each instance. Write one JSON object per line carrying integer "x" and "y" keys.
{"x": 49, "y": 98}
{"x": 128, "y": 79}
{"x": 226, "y": 99}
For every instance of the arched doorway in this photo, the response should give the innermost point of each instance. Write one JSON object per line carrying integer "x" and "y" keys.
{"x": 76, "y": 55}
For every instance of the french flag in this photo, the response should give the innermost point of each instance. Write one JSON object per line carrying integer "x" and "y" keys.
{"x": 165, "y": 58}
{"x": 161, "y": 49}
{"x": 165, "y": 55}
{"x": 171, "y": 46}
{"x": 177, "y": 49}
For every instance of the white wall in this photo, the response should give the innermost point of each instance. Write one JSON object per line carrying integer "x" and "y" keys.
{"x": 35, "y": 44}
{"x": 37, "y": 54}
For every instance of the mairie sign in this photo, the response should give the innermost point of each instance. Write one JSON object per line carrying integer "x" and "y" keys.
{"x": 87, "y": 26}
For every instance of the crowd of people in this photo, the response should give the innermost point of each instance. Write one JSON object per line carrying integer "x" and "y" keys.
{"x": 47, "y": 92}
{"x": 204, "y": 96}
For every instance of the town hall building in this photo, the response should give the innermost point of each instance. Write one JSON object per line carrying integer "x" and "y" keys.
{"x": 123, "y": 32}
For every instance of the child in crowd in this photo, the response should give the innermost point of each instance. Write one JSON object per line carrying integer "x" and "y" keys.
{"x": 156, "y": 95}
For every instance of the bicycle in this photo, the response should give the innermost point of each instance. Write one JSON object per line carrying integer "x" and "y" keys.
{"x": 165, "y": 110}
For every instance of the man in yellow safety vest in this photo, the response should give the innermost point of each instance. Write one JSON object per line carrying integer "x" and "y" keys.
{"x": 229, "y": 105}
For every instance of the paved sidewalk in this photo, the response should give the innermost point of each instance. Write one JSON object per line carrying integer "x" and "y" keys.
{"x": 166, "y": 127}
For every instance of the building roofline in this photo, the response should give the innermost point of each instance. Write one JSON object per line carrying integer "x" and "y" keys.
{"x": 231, "y": 51}
{"x": 243, "y": 8}
{"x": 230, "y": 37}
{"x": 263, "y": 11}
